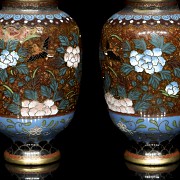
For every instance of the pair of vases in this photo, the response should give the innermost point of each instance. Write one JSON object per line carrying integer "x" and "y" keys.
{"x": 40, "y": 76}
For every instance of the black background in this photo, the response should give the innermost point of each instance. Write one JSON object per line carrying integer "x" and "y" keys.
{"x": 91, "y": 146}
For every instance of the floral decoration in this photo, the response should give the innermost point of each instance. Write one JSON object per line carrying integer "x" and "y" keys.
{"x": 148, "y": 78}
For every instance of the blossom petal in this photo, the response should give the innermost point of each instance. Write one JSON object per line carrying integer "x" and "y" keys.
{"x": 157, "y": 52}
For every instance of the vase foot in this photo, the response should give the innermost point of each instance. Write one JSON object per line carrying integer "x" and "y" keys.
{"x": 152, "y": 154}
{"x": 32, "y": 172}
{"x": 32, "y": 154}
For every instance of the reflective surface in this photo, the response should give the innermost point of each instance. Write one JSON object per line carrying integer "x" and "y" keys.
{"x": 91, "y": 146}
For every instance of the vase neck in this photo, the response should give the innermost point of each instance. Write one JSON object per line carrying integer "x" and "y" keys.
{"x": 152, "y": 3}
{"x": 29, "y": 4}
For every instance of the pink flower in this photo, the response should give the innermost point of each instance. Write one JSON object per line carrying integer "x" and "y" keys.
{"x": 35, "y": 108}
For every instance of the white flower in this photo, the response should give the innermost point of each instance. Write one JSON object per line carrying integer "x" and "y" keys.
{"x": 35, "y": 108}
{"x": 49, "y": 102}
{"x": 124, "y": 105}
{"x": 35, "y": 131}
{"x": 124, "y": 128}
{"x": 72, "y": 56}
{"x": 172, "y": 88}
{"x": 8, "y": 59}
{"x": 149, "y": 61}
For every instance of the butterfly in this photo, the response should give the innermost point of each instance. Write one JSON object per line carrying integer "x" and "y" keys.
{"x": 39, "y": 52}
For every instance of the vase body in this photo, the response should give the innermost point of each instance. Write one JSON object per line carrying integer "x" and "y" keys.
{"x": 139, "y": 58}
{"x": 40, "y": 67}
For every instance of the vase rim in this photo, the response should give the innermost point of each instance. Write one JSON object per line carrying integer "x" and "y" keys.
{"x": 145, "y": 1}
{"x": 30, "y": 0}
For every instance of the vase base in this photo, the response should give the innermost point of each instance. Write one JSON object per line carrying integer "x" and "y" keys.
{"x": 38, "y": 170}
{"x": 32, "y": 154}
{"x": 152, "y": 159}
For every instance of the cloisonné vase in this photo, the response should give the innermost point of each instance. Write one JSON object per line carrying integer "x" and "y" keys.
{"x": 40, "y": 73}
{"x": 140, "y": 66}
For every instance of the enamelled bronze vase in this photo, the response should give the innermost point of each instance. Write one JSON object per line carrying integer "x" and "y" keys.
{"x": 40, "y": 73}
{"x": 140, "y": 66}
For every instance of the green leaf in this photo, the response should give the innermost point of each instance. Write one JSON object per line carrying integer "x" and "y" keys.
{"x": 141, "y": 106}
{"x": 12, "y": 45}
{"x": 55, "y": 124}
{"x": 139, "y": 77}
{"x": 125, "y": 55}
{"x": 22, "y": 69}
{"x": 152, "y": 129}
{"x": 174, "y": 123}
{"x": 134, "y": 83}
{"x": 126, "y": 46}
{"x": 20, "y": 84}
{"x": 141, "y": 126}
{"x": 154, "y": 122}
{"x": 44, "y": 123}
{"x": 11, "y": 80}
{"x": 16, "y": 99}
{"x": 107, "y": 81}
{"x": 60, "y": 50}
{"x": 157, "y": 41}
{"x": 134, "y": 95}
{"x": 126, "y": 68}
{"x": 46, "y": 91}
{"x": 159, "y": 101}
{"x": 62, "y": 81}
{"x": 10, "y": 126}
{"x": 14, "y": 109}
{"x": 113, "y": 91}
{"x": 57, "y": 96}
{"x": 140, "y": 44}
{"x": 62, "y": 121}
{"x": 8, "y": 94}
{"x": 147, "y": 97}
{"x": 23, "y": 52}
{"x": 121, "y": 91}
{"x": 177, "y": 72}
{"x": 63, "y": 104}
{"x": 144, "y": 88}
{"x": 123, "y": 120}
{"x": 27, "y": 124}
{"x": 51, "y": 123}
{"x": 54, "y": 85}
{"x": 30, "y": 94}
{"x": 154, "y": 81}
{"x": 139, "y": 121}
{"x": 10, "y": 121}
{"x": 27, "y": 78}
{"x": 64, "y": 40}
{"x": 24, "y": 130}
{"x": 72, "y": 43}
{"x": 76, "y": 38}
{"x": 1, "y": 44}
{"x": 168, "y": 48}
{"x": 165, "y": 75}
{"x": 3, "y": 75}
{"x": 162, "y": 109}
{"x": 72, "y": 82}
{"x": 170, "y": 104}
{"x": 62, "y": 71}
{"x": 168, "y": 128}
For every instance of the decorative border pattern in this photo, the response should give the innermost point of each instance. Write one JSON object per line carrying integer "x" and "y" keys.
{"x": 147, "y": 129}
{"x": 144, "y": 19}
{"x": 174, "y": 17}
{"x": 31, "y": 17}
{"x": 34, "y": 129}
